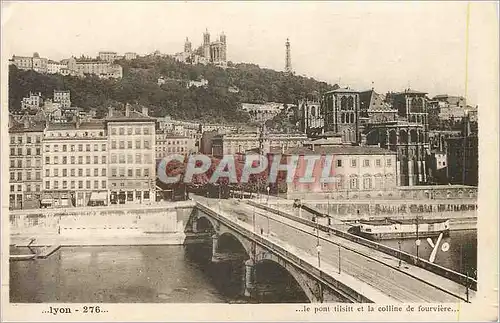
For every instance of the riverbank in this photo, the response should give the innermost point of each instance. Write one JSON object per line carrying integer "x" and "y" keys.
{"x": 167, "y": 239}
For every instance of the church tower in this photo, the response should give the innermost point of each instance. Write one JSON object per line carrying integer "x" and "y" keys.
{"x": 187, "y": 46}
{"x": 224, "y": 47}
{"x": 206, "y": 45}
{"x": 288, "y": 59}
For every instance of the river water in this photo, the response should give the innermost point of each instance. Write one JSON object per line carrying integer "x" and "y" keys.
{"x": 166, "y": 274}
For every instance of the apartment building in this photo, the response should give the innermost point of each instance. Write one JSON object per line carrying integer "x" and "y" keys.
{"x": 132, "y": 165}
{"x": 75, "y": 158}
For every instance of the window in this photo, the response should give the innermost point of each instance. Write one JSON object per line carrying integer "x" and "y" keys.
{"x": 56, "y": 148}
{"x": 130, "y": 172}
{"x": 12, "y": 140}
{"x": 377, "y": 162}
{"x": 37, "y": 176}
{"x": 12, "y": 188}
{"x": 121, "y": 158}
{"x": 96, "y": 147}
{"x": 47, "y": 185}
{"x": 146, "y": 131}
{"x": 72, "y": 184}
{"x": 353, "y": 183}
{"x": 87, "y": 147}
{"x": 367, "y": 183}
{"x": 137, "y": 130}
{"x": 37, "y": 163}
{"x": 103, "y": 159}
{"x": 129, "y": 130}
{"x": 103, "y": 172}
{"x": 138, "y": 172}
{"x": 28, "y": 151}
{"x": 64, "y": 185}
{"x": 19, "y": 151}
{"x": 20, "y": 140}
{"x": 56, "y": 172}
{"x": 96, "y": 184}
{"x": 353, "y": 162}
{"x": 96, "y": 159}
{"x": 113, "y": 144}
{"x": 146, "y": 144}
{"x": 87, "y": 184}
{"x": 96, "y": 171}
{"x": 37, "y": 151}
{"x": 80, "y": 172}
{"x": 56, "y": 185}
{"x": 129, "y": 144}
{"x": 121, "y": 144}
{"x": 19, "y": 164}
{"x": 147, "y": 158}
{"x": 137, "y": 144}
{"x": 130, "y": 158}
{"x": 72, "y": 148}
{"x": 146, "y": 172}
{"x": 12, "y": 163}
{"x": 19, "y": 189}
{"x": 138, "y": 158}
{"x": 28, "y": 176}
{"x": 87, "y": 172}
{"x": 64, "y": 147}
{"x": 28, "y": 163}
{"x": 37, "y": 139}
{"x": 113, "y": 172}
{"x": 56, "y": 160}
{"x": 37, "y": 187}
{"x": 64, "y": 160}
{"x": 80, "y": 160}
{"x": 80, "y": 184}
{"x": 113, "y": 131}
{"x": 12, "y": 152}
{"x": 339, "y": 162}
{"x": 28, "y": 140}
{"x": 72, "y": 172}
{"x": 103, "y": 184}
{"x": 80, "y": 147}
{"x": 366, "y": 163}
{"x": 64, "y": 172}
{"x": 388, "y": 162}
{"x": 103, "y": 147}
{"x": 72, "y": 159}
{"x": 19, "y": 176}
{"x": 28, "y": 187}
{"x": 122, "y": 172}
{"x": 121, "y": 131}
{"x": 12, "y": 176}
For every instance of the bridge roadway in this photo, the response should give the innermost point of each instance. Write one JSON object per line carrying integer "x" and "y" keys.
{"x": 378, "y": 270}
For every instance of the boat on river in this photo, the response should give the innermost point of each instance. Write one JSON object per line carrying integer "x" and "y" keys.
{"x": 383, "y": 229}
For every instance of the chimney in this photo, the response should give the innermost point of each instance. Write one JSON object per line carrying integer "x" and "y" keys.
{"x": 110, "y": 112}
{"x": 145, "y": 111}
{"x": 127, "y": 110}
{"x": 26, "y": 123}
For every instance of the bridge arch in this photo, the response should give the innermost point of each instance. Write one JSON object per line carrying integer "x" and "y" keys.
{"x": 268, "y": 260}
{"x": 229, "y": 242}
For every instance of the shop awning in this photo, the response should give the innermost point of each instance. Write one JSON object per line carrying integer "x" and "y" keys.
{"x": 98, "y": 196}
{"x": 46, "y": 201}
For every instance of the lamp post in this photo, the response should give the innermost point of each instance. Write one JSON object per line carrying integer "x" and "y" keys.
{"x": 318, "y": 246}
{"x": 268, "y": 189}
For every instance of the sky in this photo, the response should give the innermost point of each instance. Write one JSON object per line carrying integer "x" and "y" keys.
{"x": 388, "y": 46}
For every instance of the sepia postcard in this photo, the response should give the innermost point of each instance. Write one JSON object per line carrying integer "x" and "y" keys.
{"x": 249, "y": 161}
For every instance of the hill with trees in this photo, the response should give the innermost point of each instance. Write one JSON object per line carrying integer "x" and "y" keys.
{"x": 215, "y": 103}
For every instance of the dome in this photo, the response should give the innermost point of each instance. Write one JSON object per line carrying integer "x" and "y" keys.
{"x": 36, "y": 55}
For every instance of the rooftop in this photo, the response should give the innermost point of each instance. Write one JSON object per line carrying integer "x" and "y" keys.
{"x": 72, "y": 126}
{"x": 341, "y": 150}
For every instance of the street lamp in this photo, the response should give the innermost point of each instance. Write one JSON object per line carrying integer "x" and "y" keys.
{"x": 268, "y": 189}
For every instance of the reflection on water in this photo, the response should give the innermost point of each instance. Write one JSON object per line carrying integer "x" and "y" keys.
{"x": 146, "y": 274}
{"x": 458, "y": 251}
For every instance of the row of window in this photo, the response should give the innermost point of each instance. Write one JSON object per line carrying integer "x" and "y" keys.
{"x": 74, "y": 160}
{"x": 29, "y": 188}
{"x": 366, "y": 162}
{"x": 77, "y": 134}
{"x": 173, "y": 142}
{"x": 172, "y": 149}
{"x": 55, "y": 147}
{"x": 29, "y": 139}
{"x": 29, "y": 176}
{"x": 129, "y": 158}
{"x": 138, "y": 144}
{"x": 73, "y": 184}
{"x": 73, "y": 172}
{"x": 130, "y": 130}
{"x": 19, "y": 163}
{"x": 129, "y": 172}
{"x": 368, "y": 182}
{"x": 29, "y": 151}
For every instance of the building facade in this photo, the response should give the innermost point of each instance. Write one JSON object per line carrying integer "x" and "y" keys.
{"x": 168, "y": 144}
{"x": 108, "y": 56}
{"x": 355, "y": 169}
{"x": 75, "y": 159}
{"x": 132, "y": 165}
{"x": 130, "y": 55}
{"x": 25, "y": 181}
{"x": 63, "y": 97}
{"x": 341, "y": 113}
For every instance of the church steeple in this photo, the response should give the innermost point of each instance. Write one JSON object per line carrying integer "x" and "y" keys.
{"x": 288, "y": 59}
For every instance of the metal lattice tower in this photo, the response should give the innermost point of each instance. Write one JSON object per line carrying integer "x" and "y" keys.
{"x": 288, "y": 59}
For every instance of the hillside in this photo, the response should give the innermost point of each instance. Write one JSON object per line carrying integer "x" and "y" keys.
{"x": 139, "y": 84}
